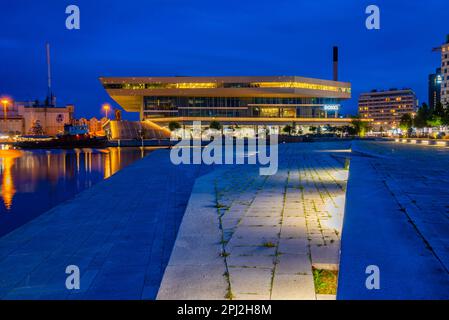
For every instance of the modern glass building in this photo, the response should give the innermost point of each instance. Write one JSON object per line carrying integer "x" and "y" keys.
{"x": 251, "y": 100}
{"x": 435, "y": 81}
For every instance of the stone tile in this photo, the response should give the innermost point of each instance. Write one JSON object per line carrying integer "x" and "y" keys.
{"x": 251, "y": 250}
{"x": 298, "y": 264}
{"x": 293, "y": 287}
{"x": 250, "y": 281}
{"x": 257, "y": 232}
{"x": 293, "y": 232}
{"x": 293, "y": 246}
{"x": 250, "y": 261}
{"x": 205, "y": 282}
{"x": 260, "y": 221}
{"x": 253, "y": 240}
{"x": 196, "y": 250}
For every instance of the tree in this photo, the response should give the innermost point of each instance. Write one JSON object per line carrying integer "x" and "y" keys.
{"x": 331, "y": 129}
{"x": 444, "y": 113}
{"x": 435, "y": 121}
{"x": 36, "y": 129}
{"x": 422, "y": 116}
{"x": 439, "y": 109}
{"x": 360, "y": 126}
{"x": 288, "y": 129}
{"x": 350, "y": 130}
{"x": 215, "y": 125}
{"x": 439, "y": 116}
{"x": 406, "y": 122}
{"x": 173, "y": 125}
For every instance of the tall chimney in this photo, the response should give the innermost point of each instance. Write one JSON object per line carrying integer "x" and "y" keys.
{"x": 50, "y": 93}
{"x": 335, "y": 59}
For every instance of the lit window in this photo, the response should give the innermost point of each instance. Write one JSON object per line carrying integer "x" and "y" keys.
{"x": 300, "y": 85}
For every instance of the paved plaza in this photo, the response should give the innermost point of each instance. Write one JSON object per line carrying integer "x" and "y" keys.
{"x": 120, "y": 233}
{"x": 397, "y": 218}
{"x": 156, "y": 230}
{"x": 261, "y": 235}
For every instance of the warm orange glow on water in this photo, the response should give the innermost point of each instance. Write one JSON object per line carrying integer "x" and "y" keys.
{"x": 7, "y": 189}
{"x": 112, "y": 162}
{"x": 33, "y": 182}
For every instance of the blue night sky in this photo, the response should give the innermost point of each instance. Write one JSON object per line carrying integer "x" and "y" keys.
{"x": 215, "y": 37}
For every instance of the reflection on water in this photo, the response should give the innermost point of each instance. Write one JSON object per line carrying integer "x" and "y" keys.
{"x": 32, "y": 182}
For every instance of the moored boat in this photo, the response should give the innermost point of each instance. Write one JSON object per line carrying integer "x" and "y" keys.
{"x": 73, "y": 137}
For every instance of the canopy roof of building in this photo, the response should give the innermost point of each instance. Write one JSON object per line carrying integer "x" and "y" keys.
{"x": 128, "y": 91}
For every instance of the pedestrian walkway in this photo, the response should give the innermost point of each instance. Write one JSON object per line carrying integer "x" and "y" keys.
{"x": 397, "y": 219}
{"x": 120, "y": 233}
{"x": 246, "y": 236}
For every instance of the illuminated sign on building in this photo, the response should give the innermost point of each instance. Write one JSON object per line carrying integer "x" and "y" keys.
{"x": 331, "y": 107}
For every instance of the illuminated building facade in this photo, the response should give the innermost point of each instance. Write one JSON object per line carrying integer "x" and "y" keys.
{"x": 435, "y": 81}
{"x": 94, "y": 125}
{"x": 22, "y": 117}
{"x": 444, "y": 50}
{"x": 386, "y": 108}
{"x": 229, "y": 100}
{"x": 445, "y": 72}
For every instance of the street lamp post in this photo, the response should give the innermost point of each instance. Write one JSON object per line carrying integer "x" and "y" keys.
{"x": 5, "y": 103}
{"x": 106, "y": 108}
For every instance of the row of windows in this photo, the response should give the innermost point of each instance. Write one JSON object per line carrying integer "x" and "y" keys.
{"x": 173, "y": 103}
{"x": 388, "y": 99}
{"x": 380, "y": 109}
{"x": 299, "y": 112}
{"x": 214, "y": 85}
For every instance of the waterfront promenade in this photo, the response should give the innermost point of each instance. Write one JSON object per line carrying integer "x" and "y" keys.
{"x": 120, "y": 233}
{"x": 246, "y": 236}
{"x": 396, "y": 218}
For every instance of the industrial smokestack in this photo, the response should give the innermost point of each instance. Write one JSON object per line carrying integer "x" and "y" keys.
{"x": 335, "y": 59}
{"x": 50, "y": 93}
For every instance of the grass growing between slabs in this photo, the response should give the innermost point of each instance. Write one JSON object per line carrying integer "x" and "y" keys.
{"x": 325, "y": 281}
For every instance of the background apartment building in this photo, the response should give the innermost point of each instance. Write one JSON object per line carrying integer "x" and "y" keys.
{"x": 435, "y": 80}
{"x": 444, "y": 49}
{"x": 23, "y": 117}
{"x": 94, "y": 125}
{"x": 445, "y": 73}
{"x": 387, "y": 107}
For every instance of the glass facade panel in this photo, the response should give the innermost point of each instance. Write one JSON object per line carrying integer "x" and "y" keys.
{"x": 166, "y": 106}
{"x": 214, "y": 85}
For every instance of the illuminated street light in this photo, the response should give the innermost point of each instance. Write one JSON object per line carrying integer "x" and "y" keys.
{"x": 106, "y": 108}
{"x": 5, "y": 102}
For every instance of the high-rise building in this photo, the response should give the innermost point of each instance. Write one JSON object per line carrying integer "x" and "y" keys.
{"x": 444, "y": 49}
{"x": 387, "y": 107}
{"x": 435, "y": 80}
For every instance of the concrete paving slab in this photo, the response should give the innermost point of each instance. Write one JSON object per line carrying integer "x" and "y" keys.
{"x": 293, "y": 287}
